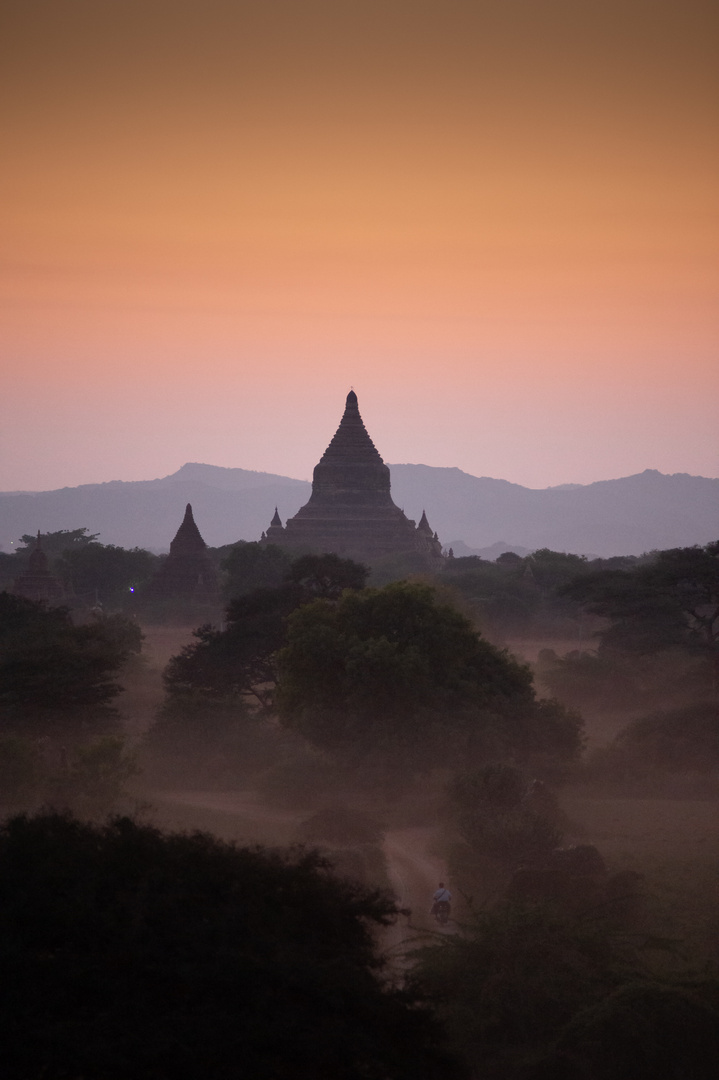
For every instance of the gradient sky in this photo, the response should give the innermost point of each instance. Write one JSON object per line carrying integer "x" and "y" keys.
{"x": 495, "y": 219}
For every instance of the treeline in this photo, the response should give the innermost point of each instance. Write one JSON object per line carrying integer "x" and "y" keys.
{"x": 317, "y": 688}
{"x": 362, "y": 676}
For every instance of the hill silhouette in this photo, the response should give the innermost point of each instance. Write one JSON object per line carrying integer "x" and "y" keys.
{"x": 610, "y": 517}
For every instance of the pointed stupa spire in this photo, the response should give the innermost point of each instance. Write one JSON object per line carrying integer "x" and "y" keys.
{"x": 188, "y": 540}
{"x": 351, "y": 440}
{"x": 350, "y": 511}
{"x": 187, "y": 571}
{"x": 37, "y": 563}
{"x": 424, "y": 526}
{"x": 275, "y": 534}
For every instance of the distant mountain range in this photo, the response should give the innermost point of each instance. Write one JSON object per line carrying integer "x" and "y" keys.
{"x": 473, "y": 514}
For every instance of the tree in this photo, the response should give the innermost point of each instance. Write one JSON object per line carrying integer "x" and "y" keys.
{"x": 55, "y": 544}
{"x": 56, "y": 677}
{"x": 326, "y": 576}
{"x": 239, "y": 661}
{"x": 250, "y": 566}
{"x": 105, "y": 573}
{"x": 221, "y": 685}
{"x": 127, "y": 952}
{"x": 393, "y": 672}
{"x": 529, "y": 993}
{"x": 503, "y": 595}
{"x": 499, "y": 821}
{"x": 510, "y": 983}
{"x": 668, "y": 602}
{"x": 679, "y": 1036}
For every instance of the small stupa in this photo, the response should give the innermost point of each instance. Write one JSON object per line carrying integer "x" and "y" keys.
{"x": 350, "y": 511}
{"x": 187, "y": 571}
{"x": 37, "y": 583}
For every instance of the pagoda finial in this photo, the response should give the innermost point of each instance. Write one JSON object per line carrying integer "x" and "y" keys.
{"x": 276, "y": 519}
{"x": 424, "y": 526}
{"x": 188, "y": 538}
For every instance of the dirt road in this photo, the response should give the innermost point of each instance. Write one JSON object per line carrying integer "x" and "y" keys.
{"x": 413, "y": 870}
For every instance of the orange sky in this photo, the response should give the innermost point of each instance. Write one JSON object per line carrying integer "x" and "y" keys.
{"x": 496, "y": 220}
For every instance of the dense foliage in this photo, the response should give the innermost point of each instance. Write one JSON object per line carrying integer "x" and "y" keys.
{"x": 239, "y": 661}
{"x": 524, "y": 596}
{"x": 126, "y": 952}
{"x": 89, "y": 571}
{"x": 534, "y": 994}
{"x": 659, "y": 635}
{"x": 394, "y": 672}
{"x": 55, "y": 676}
{"x": 249, "y": 566}
{"x": 219, "y": 688}
{"x": 105, "y": 573}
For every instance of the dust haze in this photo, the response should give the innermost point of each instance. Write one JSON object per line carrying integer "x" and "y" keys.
{"x": 538, "y": 731}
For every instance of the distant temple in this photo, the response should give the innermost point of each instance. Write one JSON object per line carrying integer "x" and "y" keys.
{"x": 350, "y": 511}
{"x": 37, "y": 583}
{"x": 187, "y": 571}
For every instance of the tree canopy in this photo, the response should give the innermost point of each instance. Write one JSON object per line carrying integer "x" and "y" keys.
{"x": 239, "y": 661}
{"x": 661, "y": 635}
{"x": 104, "y": 572}
{"x": 54, "y": 675}
{"x": 250, "y": 565}
{"x": 127, "y": 952}
{"x": 673, "y": 599}
{"x": 393, "y": 670}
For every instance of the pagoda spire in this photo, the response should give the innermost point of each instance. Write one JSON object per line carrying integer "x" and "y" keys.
{"x": 187, "y": 571}
{"x": 351, "y": 440}
{"x": 424, "y": 526}
{"x": 350, "y": 511}
{"x": 275, "y": 533}
{"x": 188, "y": 540}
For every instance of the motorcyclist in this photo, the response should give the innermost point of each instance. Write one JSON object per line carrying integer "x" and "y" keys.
{"x": 441, "y": 903}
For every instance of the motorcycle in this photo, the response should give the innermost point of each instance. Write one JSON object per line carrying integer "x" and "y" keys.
{"x": 440, "y": 910}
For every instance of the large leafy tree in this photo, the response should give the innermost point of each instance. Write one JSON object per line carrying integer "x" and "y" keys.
{"x": 104, "y": 572}
{"x": 55, "y": 676}
{"x": 668, "y": 602}
{"x": 392, "y": 671}
{"x": 250, "y": 565}
{"x": 89, "y": 570}
{"x": 57, "y": 543}
{"x": 238, "y": 662}
{"x": 126, "y": 952}
{"x": 54, "y": 544}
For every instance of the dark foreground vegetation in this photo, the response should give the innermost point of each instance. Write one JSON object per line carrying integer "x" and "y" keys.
{"x": 355, "y": 709}
{"x": 129, "y": 953}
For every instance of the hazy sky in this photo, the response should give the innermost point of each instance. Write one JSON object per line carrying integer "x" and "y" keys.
{"x": 495, "y": 219}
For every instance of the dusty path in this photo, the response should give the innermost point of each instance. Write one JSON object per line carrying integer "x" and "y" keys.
{"x": 414, "y": 873}
{"x": 238, "y": 815}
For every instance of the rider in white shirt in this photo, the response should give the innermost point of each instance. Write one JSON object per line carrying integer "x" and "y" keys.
{"x": 440, "y": 903}
{"x": 442, "y": 895}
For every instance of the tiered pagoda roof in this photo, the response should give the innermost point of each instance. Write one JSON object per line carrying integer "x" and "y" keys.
{"x": 350, "y": 511}
{"x": 187, "y": 571}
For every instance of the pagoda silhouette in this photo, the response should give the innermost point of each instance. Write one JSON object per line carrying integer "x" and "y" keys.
{"x": 350, "y": 511}
{"x": 187, "y": 571}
